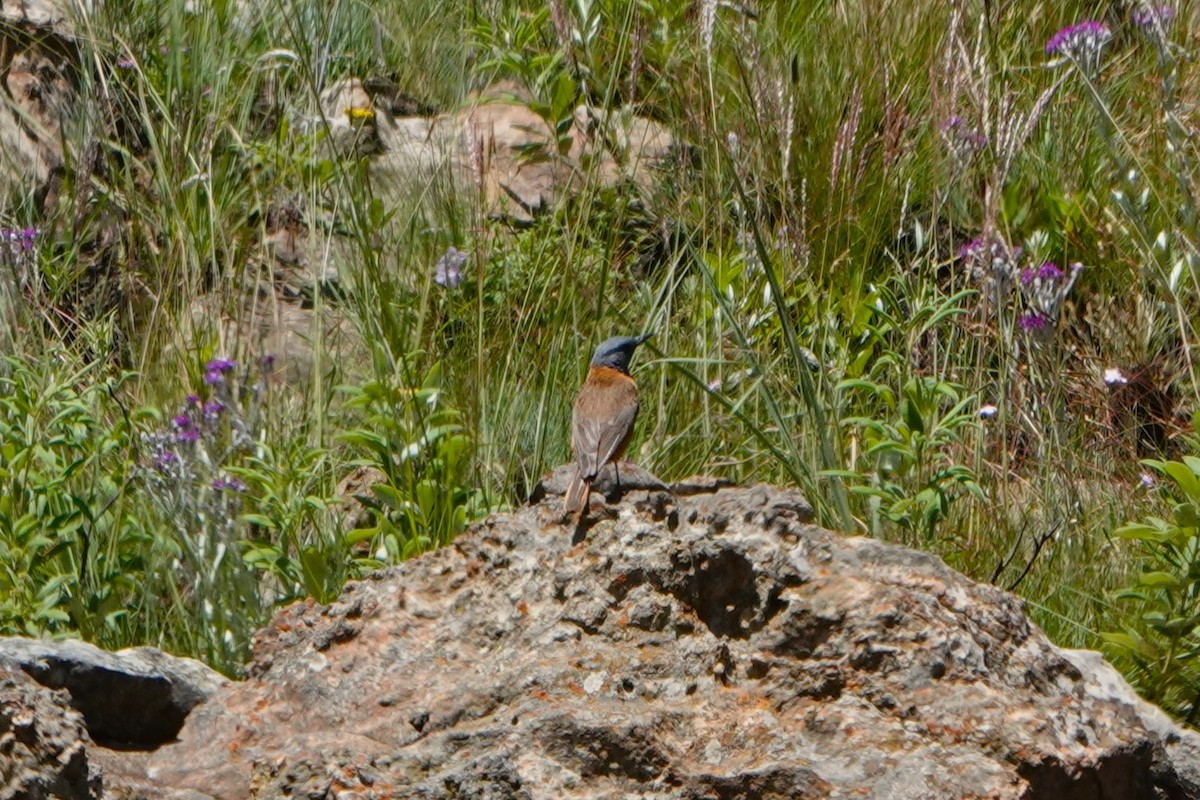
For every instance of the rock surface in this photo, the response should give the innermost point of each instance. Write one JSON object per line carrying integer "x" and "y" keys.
{"x": 43, "y": 744}
{"x": 497, "y": 148}
{"x": 706, "y": 646}
{"x": 137, "y": 697}
{"x": 37, "y": 61}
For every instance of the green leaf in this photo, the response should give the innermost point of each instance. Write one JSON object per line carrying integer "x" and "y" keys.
{"x": 390, "y": 496}
{"x": 1142, "y": 531}
{"x": 1130, "y": 642}
{"x": 1159, "y": 580}
{"x": 260, "y": 520}
{"x": 912, "y": 416}
{"x": 1185, "y": 478}
{"x": 1185, "y": 515}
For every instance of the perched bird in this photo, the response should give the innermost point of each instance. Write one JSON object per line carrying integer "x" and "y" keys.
{"x": 602, "y": 422}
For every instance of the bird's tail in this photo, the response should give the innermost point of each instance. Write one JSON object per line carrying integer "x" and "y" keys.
{"x": 579, "y": 492}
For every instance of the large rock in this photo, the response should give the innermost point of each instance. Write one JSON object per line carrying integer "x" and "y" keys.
{"x": 302, "y": 336}
{"x": 137, "y": 697}
{"x": 496, "y": 148}
{"x": 38, "y": 59}
{"x": 43, "y": 744}
{"x": 705, "y": 646}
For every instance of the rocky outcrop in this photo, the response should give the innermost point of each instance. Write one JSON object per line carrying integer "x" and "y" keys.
{"x": 134, "y": 698}
{"x": 692, "y": 641}
{"x": 707, "y": 645}
{"x": 43, "y": 744}
{"x": 37, "y": 63}
{"x": 496, "y": 148}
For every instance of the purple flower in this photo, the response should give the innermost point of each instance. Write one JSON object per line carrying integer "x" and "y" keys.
{"x": 212, "y": 409}
{"x": 1153, "y": 16}
{"x": 220, "y": 365}
{"x": 182, "y": 421}
{"x": 1081, "y": 44}
{"x": 212, "y": 377}
{"x": 125, "y": 63}
{"x": 23, "y": 238}
{"x": 188, "y": 435}
{"x": 1049, "y": 271}
{"x": 1033, "y": 321}
{"x": 963, "y": 140}
{"x": 1089, "y": 33}
{"x": 228, "y": 483}
{"x": 192, "y": 400}
{"x": 267, "y": 362}
{"x": 165, "y": 458}
{"x": 448, "y": 271}
{"x": 970, "y": 248}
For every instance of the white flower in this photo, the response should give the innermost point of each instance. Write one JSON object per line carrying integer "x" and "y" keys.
{"x": 1114, "y": 377}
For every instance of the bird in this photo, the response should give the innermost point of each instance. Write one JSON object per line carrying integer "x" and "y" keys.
{"x": 602, "y": 419}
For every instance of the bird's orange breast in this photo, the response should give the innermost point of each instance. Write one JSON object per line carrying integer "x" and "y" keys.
{"x": 603, "y": 377}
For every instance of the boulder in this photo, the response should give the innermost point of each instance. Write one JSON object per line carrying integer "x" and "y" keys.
{"x": 135, "y": 698}
{"x": 712, "y": 644}
{"x": 495, "y": 147}
{"x": 43, "y": 744}
{"x": 37, "y": 61}
{"x": 301, "y": 335}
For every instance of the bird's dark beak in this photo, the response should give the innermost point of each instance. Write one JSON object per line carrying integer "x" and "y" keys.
{"x": 643, "y": 338}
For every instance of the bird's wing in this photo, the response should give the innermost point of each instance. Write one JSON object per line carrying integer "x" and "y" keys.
{"x": 602, "y": 423}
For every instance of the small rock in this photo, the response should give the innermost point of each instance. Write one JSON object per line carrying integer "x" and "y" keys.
{"x": 137, "y": 697}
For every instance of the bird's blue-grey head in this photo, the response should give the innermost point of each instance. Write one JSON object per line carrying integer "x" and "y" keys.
{"x": 617, "y": 352}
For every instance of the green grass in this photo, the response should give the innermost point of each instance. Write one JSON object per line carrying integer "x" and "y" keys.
{"x": 799, "y": 266}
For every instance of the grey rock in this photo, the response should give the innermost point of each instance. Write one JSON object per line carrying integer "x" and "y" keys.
{"x": 137, "y": 697}
{"x": 722, "y": 649}
{"x": 612, "y": 482}
{"x": 56, "y": 15}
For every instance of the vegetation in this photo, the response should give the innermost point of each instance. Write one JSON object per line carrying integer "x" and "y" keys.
{"x": 942, "y": 275}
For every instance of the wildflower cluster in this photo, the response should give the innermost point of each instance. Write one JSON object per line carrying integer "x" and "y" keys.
{"x": 19, "y": 240}
{"x": 188, "y": 458}
{"x": 17, "y": 247}
{"x": 962, "y": 140}
{"x": 1154, "y": 21}
{"x": 448, "y": 270}
{"x": 996, "y": 267}
{"x": 1044, "y": 289}
{"x": 1081, "y": 44}
{"x": 1149, "y": 16}
{"x": 993, "y": 265}
{"x": 189, "y": 472}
